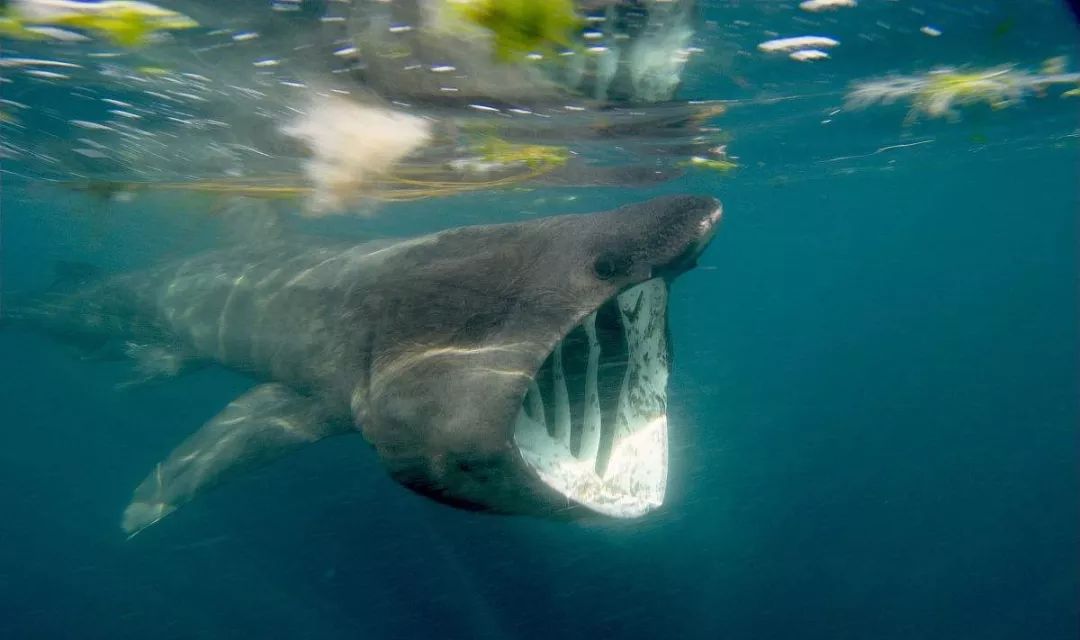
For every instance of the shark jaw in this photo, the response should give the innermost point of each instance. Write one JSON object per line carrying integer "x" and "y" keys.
{"x": 593, "y": 423}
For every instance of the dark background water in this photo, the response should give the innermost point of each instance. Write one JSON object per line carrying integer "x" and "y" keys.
{"x": 875, "y": 416}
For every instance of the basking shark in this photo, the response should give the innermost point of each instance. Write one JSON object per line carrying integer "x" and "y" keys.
{"x": 515, "y": 368}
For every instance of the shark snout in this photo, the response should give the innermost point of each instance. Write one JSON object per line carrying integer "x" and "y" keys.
{"x": 684, "y": 231}
{"x": 707, "y": 227}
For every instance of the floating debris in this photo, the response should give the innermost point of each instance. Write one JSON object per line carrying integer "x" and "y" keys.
{"x": 12, "y": 28}
{"x": 93, "y": 126}
{"x": 124, "y": 22}
{"x": 1054, "y": 66}
{"x": 800, "y": 42}
{"x": 937, "y": 93}
{"x": 710, "y": 163}
{"x": 91, "y": 153}
{"x": 46, "y": 75}
{"x": 521, "y": 27}
{"x": 808, "y": 55}
{"x": 125, "y": 114}
{"x": 716, "y": 160}
{"x": 351, "y": 146}
{"x": 815, "y": 6}
{"x": 499, "y": 153}
{"x": 56, "y": 33}
{"x": 7, "y": 63}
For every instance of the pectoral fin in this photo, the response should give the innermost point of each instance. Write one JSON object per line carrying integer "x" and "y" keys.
{"x": 256, "y": 428}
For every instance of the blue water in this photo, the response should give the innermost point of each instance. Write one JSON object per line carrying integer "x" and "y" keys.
{"x": 874, "y": 416}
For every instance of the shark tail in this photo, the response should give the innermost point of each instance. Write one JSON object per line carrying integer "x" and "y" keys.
{"x": 35, "y": 309}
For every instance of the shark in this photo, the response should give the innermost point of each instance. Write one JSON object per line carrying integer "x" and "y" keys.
{"x": 515, "y": 368}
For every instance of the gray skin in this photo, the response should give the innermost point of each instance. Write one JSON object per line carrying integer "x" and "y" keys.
{"x": 425, "y": 346}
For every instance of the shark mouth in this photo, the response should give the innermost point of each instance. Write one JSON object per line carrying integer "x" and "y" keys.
{"x": 593, "y": 423}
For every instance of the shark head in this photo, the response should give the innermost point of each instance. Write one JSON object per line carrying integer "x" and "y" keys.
{"x": 522, "y": 368}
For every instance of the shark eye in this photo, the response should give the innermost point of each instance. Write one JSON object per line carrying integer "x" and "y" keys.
{"x": 610, "y": 265}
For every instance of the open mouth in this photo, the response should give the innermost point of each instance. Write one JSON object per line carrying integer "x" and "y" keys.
{"x": 593, "y": 424}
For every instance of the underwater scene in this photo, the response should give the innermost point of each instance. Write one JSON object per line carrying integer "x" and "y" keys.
{"x": 514, "y": 319}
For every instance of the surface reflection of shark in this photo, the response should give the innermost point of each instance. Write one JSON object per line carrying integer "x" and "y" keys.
{"x": 513, "y": 368}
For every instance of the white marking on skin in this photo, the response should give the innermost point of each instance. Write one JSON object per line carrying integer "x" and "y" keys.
{"x": 458, "y": 351}
{"x": 400, "y": 246}
{"x": 300, "y": 277}
{"x": 189, "y": 457}
{"x": 288, "y": 425}
{"x": 223, "y": 323}
{"x": 409, "y": 361}
{"x": 263, "y": 306}
{"x": 273, "y": 274}
{"x": 502, "y": 372}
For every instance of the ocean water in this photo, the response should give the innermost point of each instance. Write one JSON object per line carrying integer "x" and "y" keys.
{"x": 874, "y": 403}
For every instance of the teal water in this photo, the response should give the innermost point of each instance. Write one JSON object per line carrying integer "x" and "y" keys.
{"x": 874, "y": 406}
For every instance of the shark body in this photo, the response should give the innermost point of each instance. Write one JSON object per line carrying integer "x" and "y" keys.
{"x": 514, "y": 368}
